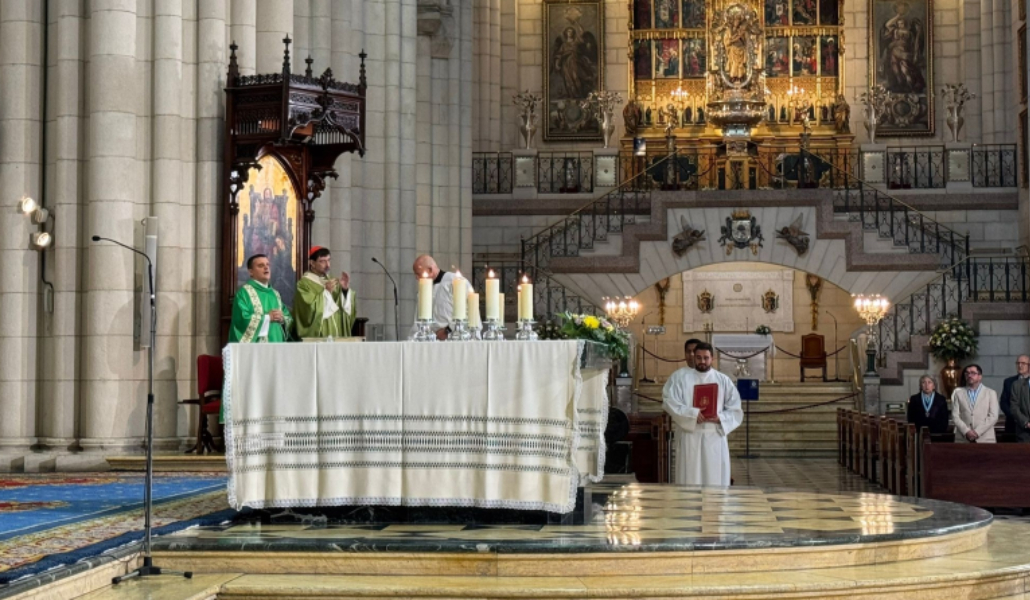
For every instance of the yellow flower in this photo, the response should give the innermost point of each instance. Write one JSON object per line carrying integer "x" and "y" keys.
{"x": 591, "y": 322}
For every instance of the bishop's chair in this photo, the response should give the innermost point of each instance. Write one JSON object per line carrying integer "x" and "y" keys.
{"x": 813, "y": 354}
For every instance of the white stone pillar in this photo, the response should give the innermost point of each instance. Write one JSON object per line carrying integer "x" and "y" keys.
{"x": 320, "y": 49}
{"x": 301, "y": 34}
{"x": 114, "y": 375}
{"x": 21, "y": 56}
{"x": 274, "y": 22}
{"x": 61, "y": 328}
{"x": 509, "y": 134}
{"x": 335, "y": 205}
{"x": 987, "y": 70}
{"x": 212, "y": 62}
{"x": 244, "y": 32}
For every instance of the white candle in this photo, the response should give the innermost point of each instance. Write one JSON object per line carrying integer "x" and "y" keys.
{"x": 425, "y": 297}
{"x": 526, "y": 300}
{"x": 518, "y": 303}
{"x": 473, "y": 302}
{"x": 460, "y": 293}
{"x": 500, "y": 303}
{"x": 493, "y": 286}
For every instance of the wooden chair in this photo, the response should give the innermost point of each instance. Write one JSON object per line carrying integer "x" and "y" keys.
{"x": 813, "y": 354}
{"x": 210, "y": 378}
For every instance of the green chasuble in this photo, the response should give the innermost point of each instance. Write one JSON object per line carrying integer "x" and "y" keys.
{"x": 309, "y": 308}
{"x": 253, "y": 301}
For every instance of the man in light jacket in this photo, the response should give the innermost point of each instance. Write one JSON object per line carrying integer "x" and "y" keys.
{"x": 974, "y": 409}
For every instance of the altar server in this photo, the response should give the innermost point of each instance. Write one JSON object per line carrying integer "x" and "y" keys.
{"x": 443, "y": 293}
{"x": 323, "y": 307}
{"x": 705, "y": 407}
{"x": 258, "y": 314}
{"x": 688, "y": 351}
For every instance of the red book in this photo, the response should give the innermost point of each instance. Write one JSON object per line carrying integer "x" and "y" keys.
{"x": 706, "y": 399}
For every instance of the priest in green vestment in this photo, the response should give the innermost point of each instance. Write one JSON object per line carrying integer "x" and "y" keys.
{"x": 258, "y": 314}
{"x": 323, "y": 307}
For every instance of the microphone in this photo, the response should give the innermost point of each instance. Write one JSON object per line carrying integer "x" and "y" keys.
{"x": 150, "y": 264}
{"x": 396, "y": 302}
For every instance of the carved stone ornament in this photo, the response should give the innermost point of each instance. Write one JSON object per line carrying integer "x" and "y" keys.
{"x": 770, "y": 301}
{"x": 794, "y": 236}
{"x": 741, "y": 231}
{"x": 686, "y": 238}
{"x": 436, "y": 20}
{"x": 705, "y": 302}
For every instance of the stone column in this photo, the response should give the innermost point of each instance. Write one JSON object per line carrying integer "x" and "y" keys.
{"x": 244, "y": 32}
{"x": 509, "y": 134}
{"x": 20, "y": 143}
{"x": 62, "y": 327}
{"x": 114, "y": 375}
{"x": 274, "y": 22}
{"x": 335, "y": 205}
{"x": 302, "y": 24}
{"x": 320, "y": 49}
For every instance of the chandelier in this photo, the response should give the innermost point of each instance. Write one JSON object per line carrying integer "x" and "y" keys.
{"x": 872, "y": 308}
{"x": 621, "y": 310}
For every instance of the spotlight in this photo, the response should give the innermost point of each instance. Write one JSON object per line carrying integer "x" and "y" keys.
{"x": 41, "y": 240}
{"x": 40, "y": 215}
{"x": 27, "y": 205}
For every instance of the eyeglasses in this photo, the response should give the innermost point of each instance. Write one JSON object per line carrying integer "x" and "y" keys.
{"x": 1022, "y": 362}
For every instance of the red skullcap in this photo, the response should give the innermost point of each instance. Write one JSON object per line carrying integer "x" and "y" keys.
{"x": 313, "y": 250}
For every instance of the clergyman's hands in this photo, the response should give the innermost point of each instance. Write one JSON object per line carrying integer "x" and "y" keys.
{"x": 276, "y": 316}
{"x": 345, "y": 280}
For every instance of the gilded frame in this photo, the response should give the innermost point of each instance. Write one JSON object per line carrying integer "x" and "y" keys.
{"x": 901, "y": 120}
{"x": 564, "y": 118}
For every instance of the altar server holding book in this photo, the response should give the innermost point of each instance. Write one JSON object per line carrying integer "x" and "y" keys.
{"x": 705, "y": 407}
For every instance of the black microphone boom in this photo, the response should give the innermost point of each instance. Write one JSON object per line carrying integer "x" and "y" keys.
{"x": 396, "y": 301}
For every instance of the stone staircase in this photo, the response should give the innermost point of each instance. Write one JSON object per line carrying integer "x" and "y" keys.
{"x": 803, "y": 432}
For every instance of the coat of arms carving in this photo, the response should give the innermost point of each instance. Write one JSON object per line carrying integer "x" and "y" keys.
{"x": 741, "y": 231}
{"x": 705, "y": 302}
{"x": 770, "y": 301}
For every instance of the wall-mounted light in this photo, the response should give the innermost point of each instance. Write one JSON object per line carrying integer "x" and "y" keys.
{"x": 41, "y": 240}
{"x": 27, "y": 205}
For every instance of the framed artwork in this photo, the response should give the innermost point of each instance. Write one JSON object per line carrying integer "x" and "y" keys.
{"x": 641, "y": 14}
{"x": 829, "y": 12}
{"x": 694, "y": 58}
{"x": 777, "y": 13}
{"x": 777, "y": 57}
{"x": 269, "y": 213}
{"x": 804, "y": 60}
{"x": 574, "y": 47}
{"x": 666, "y": 59}
{"x": 901, "y": 59}
{"x": 642, "y": 67}
{"x": 666, "y": 14}
{"x": 804, "y": 12}
{"x": 1022, "y": 62}
{"x": 694, "y": 14}
{"x": 828, "y": 56}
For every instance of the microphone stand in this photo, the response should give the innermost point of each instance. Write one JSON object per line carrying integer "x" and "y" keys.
{"x": 147, "y": 568}
{"x": 836, "y": 357}
{"x": 396, "y": 302}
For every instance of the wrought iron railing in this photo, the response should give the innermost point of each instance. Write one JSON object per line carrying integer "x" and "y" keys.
{"x": 593, "y": 222}
{"x": 549, "y": 296}
{"x": 994, "y": 165}
{"x": 690, "y": 169}
{"x": 975, "y": 279}
{"x": 565, "y": 172}
{"x": 492, "y": 172}
{"x": 893, "y": 219}
{"x": 917, "y": 167}
{"x": 787, "y": 167}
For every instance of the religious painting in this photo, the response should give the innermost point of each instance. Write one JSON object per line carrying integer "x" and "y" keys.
{"x": 666, "y": 59}
{"x": 666, "y": 14}
{"x": 901, "y": 50}
{"x": 642, "y": 68}
{"x": 804, "y": 12}
{"x": 641, "y": 14}
{"x": 777, "y": 13}
{"x": 804, "y": 61}
{"x": 829, "y": 12}
{"x": 268, "y": 224}
{"x": 777, "y": 57}
{"x": 694, "y": 14}
{"x": 574, "y": 45}
{"x": 828, "y": 55}
{"x": 694, "y": 58}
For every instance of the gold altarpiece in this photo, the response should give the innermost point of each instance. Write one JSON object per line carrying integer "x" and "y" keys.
{"x": 684, "y": 55}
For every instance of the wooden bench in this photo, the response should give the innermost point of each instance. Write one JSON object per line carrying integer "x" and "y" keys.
{"x": 991, "y": 475}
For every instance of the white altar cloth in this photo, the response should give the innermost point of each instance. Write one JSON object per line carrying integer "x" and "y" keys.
{"x": 742, "y": 345}
{"x": 486, "y": 424}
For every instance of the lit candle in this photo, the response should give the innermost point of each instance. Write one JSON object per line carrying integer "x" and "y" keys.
{"x": 425, "y": 297}
{"x": 473, "y": 302}
{"x": 518, "y": 302}
{"x": 500, "y": 304}
{"x": 493, "y": 286}
{"x": 460, "y": 293}
{"x": 526, "y": 300}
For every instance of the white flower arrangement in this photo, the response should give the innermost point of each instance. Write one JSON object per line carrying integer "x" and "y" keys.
{"x": 953, "y": 339}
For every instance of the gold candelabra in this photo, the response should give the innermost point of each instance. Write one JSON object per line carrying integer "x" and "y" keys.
{"x": 873, "y": 308}
{"x": 621, "y": 310}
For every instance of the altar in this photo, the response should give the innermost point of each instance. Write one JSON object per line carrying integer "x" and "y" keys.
{"x": 484, "y": 424}
{"x": 748, "y": 350}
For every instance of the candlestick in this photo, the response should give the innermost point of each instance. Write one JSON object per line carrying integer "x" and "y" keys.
{"x": 493, "y": 286}
{"x": 461, "y": 331}
{"x": 526, "y": 300}
{"x": 473, "y": 307}
{"x": 525, "y": 331}
{"x": 425, "y": 297}
{"x": 459, "y": 289}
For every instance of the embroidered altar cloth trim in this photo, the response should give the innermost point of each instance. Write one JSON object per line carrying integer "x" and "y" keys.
{"x": 486, "y": 424}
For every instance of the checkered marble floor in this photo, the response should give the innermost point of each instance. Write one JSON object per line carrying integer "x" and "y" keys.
{"x": 774, "y": 503}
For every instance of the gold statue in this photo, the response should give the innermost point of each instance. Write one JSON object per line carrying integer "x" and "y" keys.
{"x": 671, "y": 116}
{"x": 842, "y": 115}
{"x": 738, "y": 36}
